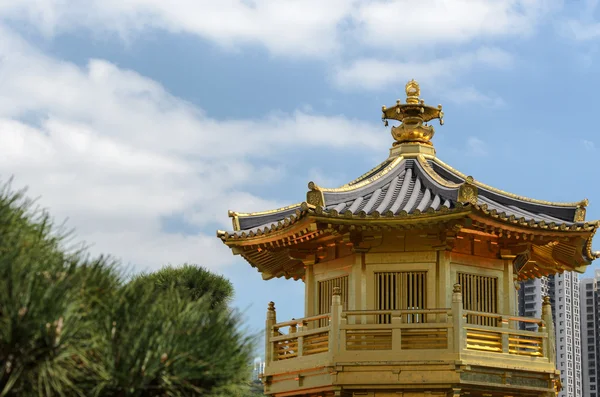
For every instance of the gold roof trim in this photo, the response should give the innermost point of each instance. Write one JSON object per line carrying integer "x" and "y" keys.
{"x": 233, "y": 214}
{"x": 430, "y": 171}
{"x": 588, "y": 244}
{"x": 348, "y": 187}
{"x": 582, "y": 203}
{"x": 320, "y": 213}
{"x": 360, "y": 178}
{"x": 533, "y": 224}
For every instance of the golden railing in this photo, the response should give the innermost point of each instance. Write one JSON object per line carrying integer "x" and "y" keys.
{"x": 300, "y": 340}
{"x": 506, "y": 337}
{"x": 360, "y": 332}
{"x": 452, "y": 332}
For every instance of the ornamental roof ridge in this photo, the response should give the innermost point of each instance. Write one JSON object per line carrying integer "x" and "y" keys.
{"x": 579, "y": 204}
{"x": 361, "y": 182}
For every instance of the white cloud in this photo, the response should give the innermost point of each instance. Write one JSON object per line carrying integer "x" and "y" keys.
{"x": 582, "y": 30}
{"x": 584, "y": 27}
{"x": 338, "y": 31}
{"x": 116, "y": 153}
{"x": 375, "y": 74}
{"x": 307, "y": 27}
{"x": 589, "y": 145}
{"x": 406, "y": 23}
{"x": 476, "y": 147}
{"x": 294, "y": 27}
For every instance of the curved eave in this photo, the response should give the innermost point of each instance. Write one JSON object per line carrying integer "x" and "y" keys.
{"x": 423, "y": 158}
{"x": 584, "y": 230}
{"x": 533, "y": 224}
{"x": 591, "y": 255}
{"x": 249, "y": 220}
{"x": 281, "y": 227}
{"x": 310, "y": 215}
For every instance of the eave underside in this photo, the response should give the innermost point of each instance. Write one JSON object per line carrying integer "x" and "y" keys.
{"x": 536, "y": 251}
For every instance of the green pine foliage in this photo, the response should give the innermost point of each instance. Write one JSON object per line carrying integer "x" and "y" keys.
{"x": 197, "y": 282}
{"x": 71, "y": 325}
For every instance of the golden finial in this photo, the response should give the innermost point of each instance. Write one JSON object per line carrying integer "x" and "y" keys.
{"x": 412, "y": 115}
{"x": 413, "y": 92}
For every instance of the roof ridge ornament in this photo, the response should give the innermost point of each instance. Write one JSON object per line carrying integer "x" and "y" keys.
{"x": 468, "y": 192}
{"x": 412, "y": 115}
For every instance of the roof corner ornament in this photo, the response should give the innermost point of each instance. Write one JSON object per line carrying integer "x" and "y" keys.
{"x": 315, "y": 196}
{"x": 412, "y": 115}
{"x": 467, "y": 192}
{"x": 235, "y": 220}
{"x": 580, "y": 211}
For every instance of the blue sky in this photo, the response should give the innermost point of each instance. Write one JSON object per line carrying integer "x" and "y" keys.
{"x": 144, "y": 121}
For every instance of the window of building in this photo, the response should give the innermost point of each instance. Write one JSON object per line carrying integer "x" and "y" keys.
{"x": 401, "y": 291}
{"x": 479, "y": 294}
{"x": 325, "y": 289}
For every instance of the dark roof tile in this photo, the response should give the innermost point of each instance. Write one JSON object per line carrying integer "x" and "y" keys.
{"x": 410, "y": 188}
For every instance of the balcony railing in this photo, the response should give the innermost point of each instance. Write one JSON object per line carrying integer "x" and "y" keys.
{"x": 405, "y": 335}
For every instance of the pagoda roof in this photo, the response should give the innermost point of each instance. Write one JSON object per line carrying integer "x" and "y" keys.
{"x": 413, "y": 188}
{"x": 403, "y": 186}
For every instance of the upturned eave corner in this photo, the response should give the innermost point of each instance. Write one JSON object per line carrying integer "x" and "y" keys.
{"x": 592, "y": 255}
{"x": 235, "y": 220}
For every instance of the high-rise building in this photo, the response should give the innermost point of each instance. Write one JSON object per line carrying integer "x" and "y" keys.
{"x": 257, "y": 371}
{"x": 590, "y": 344}
{"x": 563, "y": 290}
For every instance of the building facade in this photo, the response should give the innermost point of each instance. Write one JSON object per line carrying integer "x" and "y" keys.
{"x": 411, "y": 274}
{"x": 563, "y": 290}
{"x": 590, "y": 332}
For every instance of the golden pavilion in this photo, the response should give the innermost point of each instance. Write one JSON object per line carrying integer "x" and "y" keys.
{"x": 411, "y": 277}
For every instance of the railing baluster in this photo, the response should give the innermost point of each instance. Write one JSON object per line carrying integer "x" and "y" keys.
{"x": 505, "y": 335}
{"x": 269, "y": 331}
{"x": 459, "y": 336}
{"x": 334, "y": 323}
{"x": 396, "y": 331}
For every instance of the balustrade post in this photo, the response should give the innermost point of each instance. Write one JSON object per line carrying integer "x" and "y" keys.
{"x": 335, "y": 320}
{"x": 299, "y": 339}
{"x": 505, "y": 335}
{"x": 269, "y": 332}
{"x": 547, "y": 317}
{"x": 396, "y": 331}
{"x": 542, "y": 330}
{"x": 457, "y": 319}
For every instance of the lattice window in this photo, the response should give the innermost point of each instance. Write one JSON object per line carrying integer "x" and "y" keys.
{"x": 325, "y": 290}
{"x": 401, "y": 291}
{"x": 480, "y": 294}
